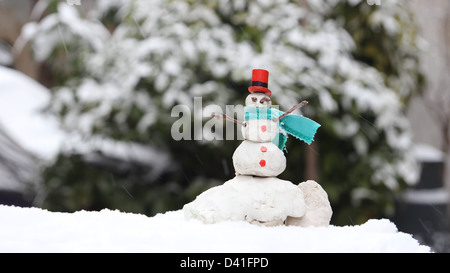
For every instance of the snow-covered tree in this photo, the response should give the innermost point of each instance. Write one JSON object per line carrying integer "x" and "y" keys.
{"x": 120, "y": 68}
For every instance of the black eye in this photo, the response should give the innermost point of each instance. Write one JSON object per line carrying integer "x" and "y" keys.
{"x": 254, "y": 99}
{"x": 264, "y": 99}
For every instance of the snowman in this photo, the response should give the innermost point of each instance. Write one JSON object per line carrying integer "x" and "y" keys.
{"x": 255, "y": 194}
{"x": 265, "y": 131}
{"x": 257, "y": 155}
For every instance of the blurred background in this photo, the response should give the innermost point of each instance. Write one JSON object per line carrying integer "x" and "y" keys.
{"x": 87, "y": 90}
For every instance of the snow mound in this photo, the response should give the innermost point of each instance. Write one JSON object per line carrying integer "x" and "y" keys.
{"x": 266, "y": 200}
{"x": 38, "y": 230}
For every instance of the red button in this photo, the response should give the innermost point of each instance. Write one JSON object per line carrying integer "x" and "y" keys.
{"x": 263, "y": 149}
{"x": 264, "y": 128}
{"x": 262, "y": 163}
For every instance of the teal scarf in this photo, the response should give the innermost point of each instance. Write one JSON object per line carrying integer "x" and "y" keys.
{"x": 299, "y": 126}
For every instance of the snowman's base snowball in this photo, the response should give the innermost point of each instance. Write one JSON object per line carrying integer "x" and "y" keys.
{"x": 258, "y": 200}
{"x": 318, "y": 209}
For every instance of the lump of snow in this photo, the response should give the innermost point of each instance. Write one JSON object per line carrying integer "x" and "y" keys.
{"x": 382, "y": 226}
{"x": 264, "y": 200}
{"x": 318, "y": 208}
{"x": 25, "y": 230}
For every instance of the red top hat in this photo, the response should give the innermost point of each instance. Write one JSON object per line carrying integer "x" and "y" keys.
{"x": 260, "y": 80}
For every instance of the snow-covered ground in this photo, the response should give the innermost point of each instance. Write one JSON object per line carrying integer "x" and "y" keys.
{"x": 38, "y": 230}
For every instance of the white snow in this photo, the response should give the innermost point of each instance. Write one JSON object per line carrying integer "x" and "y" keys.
{"x": 266, "y": 200}
{"x": 37, "y": 230}
{"x": 22, "y": 101}
{"x": 437, "y": 196}
{"x": 427, "y": 153}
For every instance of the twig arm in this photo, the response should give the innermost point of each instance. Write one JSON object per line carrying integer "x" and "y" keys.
{"x": 301, "y": 104}
{"x": 219, "y": 116}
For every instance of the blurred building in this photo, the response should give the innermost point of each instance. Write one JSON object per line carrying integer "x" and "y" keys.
{"x": 13, "y": 15}
{"x": 424, "y": 210}
{"x": 433, "y": 18}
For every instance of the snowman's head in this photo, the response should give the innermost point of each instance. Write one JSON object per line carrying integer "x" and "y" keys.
{"x": 258, "y": 99}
